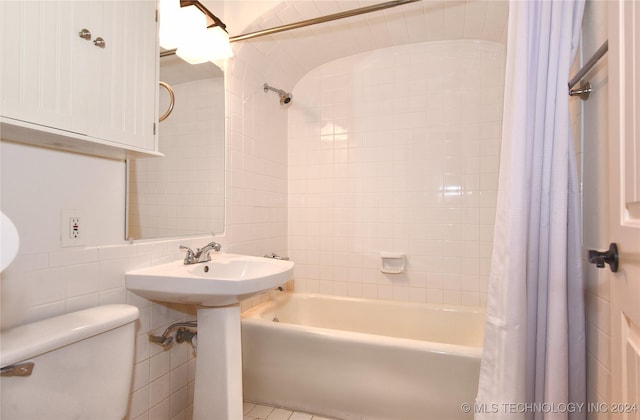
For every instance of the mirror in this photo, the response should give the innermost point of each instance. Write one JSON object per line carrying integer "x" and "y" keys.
{"x": 182, "y": 193}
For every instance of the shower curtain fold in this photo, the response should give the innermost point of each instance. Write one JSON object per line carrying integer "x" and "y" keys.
{"x": 534, "y": 349}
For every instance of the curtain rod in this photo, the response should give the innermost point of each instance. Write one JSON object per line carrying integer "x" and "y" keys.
{"x": 313, "y": 21}
{"x": 321, "y": 19}
{"x": 584, "y": 90}
{"x": 592, "y": 62}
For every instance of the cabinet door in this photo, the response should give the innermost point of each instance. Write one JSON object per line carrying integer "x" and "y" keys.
{"x": 53, "y": 77}
{"x": 40, "y": 50}
{"x": 126, "y": 93}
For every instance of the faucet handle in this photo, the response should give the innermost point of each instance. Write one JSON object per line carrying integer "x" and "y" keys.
{"x": 188, "y": 259}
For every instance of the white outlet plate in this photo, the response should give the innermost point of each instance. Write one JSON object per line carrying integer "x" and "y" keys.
{"x": 71, "y": 228}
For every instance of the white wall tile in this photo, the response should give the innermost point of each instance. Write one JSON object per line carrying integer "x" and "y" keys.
{"x": 161, "y": 410}
{"x": 139, "y": 404}
{"x": 402, "y": 186}
{"x": 591, "y": 145}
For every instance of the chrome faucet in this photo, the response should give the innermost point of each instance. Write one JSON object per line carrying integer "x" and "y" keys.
{"x": 276, "y": 256}
{"x": 201, "y": 254}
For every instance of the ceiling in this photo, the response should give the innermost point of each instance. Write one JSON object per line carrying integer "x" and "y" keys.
{"x": 289, "y": 55}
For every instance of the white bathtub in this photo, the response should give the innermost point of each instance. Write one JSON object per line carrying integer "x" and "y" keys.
{"x": 360, "y": 358}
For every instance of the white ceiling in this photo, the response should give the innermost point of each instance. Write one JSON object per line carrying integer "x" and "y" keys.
{"x": 289, "y": 55}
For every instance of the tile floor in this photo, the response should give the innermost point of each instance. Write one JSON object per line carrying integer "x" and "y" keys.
{"x": 264, "y": 412}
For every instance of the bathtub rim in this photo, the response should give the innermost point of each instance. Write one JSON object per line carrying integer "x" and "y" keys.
{"x": 253, "y": 318}
{"x": 300, "y": 295}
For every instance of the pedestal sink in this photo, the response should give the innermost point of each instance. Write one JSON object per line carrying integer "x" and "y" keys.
{"x": 216, "y": 287}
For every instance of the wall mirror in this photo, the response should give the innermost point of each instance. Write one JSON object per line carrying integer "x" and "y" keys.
{"x": 182, "y": 193}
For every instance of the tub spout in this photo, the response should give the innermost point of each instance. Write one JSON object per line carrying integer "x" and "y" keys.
{"x": 276, "y": 256}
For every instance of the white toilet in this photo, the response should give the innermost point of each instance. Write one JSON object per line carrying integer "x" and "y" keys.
{"x": 82, "y": 366}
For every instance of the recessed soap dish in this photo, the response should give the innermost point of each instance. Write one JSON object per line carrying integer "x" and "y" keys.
{"x": 392, "y": 262}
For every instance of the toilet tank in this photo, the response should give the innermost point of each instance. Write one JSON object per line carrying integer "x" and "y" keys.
{"x": 83, "y": 365}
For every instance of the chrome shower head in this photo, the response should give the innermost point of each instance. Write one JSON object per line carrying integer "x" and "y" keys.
{"x": 285, "y": 97}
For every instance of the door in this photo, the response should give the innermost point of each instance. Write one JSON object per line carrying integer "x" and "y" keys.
{"x": 126, "y": 78}
{"x": 41, "y": 47}
{"x": 624, "y": 202}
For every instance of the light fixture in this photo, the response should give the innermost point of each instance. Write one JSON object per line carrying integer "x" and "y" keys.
{"x": 169, "y": 25}
{"x": 218, "y": 39}
{"x": 196, "y": 34}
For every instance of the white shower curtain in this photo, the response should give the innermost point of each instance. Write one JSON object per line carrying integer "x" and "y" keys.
{"x": 534, "y": 363}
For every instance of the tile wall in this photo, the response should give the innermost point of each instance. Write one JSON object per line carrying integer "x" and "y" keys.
{"x": 397, "y": 150}
{"x": 595, "y": 201}
{"x": 52, "y": 283}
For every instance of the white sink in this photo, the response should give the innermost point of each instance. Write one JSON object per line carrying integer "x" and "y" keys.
{"x": 217, "y": 287}
{"x": 225, "y": 280}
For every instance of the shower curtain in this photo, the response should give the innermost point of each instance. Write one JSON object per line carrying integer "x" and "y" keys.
{"x": 534, "y": 363}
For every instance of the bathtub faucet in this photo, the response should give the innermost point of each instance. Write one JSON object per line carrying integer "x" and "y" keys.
{"x": 201, "y": 254}
{"x": 276, "y": 256}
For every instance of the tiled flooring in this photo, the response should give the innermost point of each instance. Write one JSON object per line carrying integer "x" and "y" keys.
{"x": 265, "y": 412}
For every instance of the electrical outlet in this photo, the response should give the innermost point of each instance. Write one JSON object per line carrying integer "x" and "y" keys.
{"x": 71, "y": 229}
{"x": 74, "y": 228}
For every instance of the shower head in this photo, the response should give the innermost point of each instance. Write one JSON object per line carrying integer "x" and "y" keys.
{"x": 285, "y": 97}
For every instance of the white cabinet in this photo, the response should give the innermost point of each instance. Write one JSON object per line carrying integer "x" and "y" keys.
{"x": 80, "y": 75}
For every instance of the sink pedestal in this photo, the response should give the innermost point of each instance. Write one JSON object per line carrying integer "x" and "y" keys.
{"x": 218, "y": 386}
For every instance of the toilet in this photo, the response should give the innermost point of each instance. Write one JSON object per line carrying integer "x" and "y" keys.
{"x": 82, "y": 366}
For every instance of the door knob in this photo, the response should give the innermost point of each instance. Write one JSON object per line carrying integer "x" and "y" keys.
{"x": 599, "y": 258}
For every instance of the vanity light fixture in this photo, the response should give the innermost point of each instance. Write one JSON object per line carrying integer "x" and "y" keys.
{"x": 196, "y": 34}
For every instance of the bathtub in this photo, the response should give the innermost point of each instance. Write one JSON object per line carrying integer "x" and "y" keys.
{"x": 360, "y": 358}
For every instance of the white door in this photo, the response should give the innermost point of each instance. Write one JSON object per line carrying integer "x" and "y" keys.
{"x": 624, "y": 216}
{"x": 41, "y": 46}
{"x": 127, "y": 85}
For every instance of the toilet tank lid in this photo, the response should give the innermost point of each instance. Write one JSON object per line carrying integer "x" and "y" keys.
{"x": 27, "y": 341}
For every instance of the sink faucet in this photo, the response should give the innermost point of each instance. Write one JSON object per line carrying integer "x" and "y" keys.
{"x": 201, "y": 254}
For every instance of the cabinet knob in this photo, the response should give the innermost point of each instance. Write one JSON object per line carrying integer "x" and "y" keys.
{"x": 99, "y": 42}
{"x": 85, "y": 34}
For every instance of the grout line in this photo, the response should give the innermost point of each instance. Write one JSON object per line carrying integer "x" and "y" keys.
{"x": 254, "y": 411}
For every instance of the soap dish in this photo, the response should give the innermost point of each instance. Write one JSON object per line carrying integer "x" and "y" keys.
{"x": 392, "y": 262}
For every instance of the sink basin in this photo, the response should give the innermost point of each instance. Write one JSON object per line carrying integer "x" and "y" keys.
{"x": 225, "y": 280}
